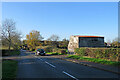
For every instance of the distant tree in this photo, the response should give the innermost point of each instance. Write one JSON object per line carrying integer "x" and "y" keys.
{"x": 24, "y": 42}
{"x": 10, "y": 36}
{"x": 64, "y": 43}
{"x": 16, "y": 41}
{"x": 4, "y": 42}
{"x": 116, "y": 42}
{"x": 109, "y": 42}
{"x": 33, "y": 39}
{"x": 53, "y": 39}
{"x": 64, "y": 40}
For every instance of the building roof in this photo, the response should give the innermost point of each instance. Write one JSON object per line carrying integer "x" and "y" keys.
{"x": 86, "y": 36}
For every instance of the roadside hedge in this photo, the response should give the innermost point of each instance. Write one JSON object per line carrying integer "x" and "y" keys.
{"x": 57, "y": 50}
{"x": 46, "y": 48}
{"x": 52, "y": 49}
{"x": 112, "y": 54}
{"x": 9, "y": 53}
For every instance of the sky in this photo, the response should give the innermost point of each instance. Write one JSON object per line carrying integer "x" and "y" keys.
{"x": 64, "y": 18}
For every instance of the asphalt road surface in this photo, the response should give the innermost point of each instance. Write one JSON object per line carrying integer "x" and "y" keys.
{"x": 48, "y": 67}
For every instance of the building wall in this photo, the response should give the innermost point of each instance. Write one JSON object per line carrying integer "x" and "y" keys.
{"x": 91, "y": 42}
{"x": 77, "y": 42}
{"x": 73, "y": 43}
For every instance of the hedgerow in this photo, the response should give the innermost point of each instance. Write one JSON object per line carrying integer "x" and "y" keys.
{"x": 112, "y": 54}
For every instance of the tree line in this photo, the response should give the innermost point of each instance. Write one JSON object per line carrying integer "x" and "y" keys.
{"x": 34, "y": 39}
{"x": 11, "y": 37}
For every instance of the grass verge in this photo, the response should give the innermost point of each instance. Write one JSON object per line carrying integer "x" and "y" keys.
{"x": 53, "y": 53}
{"x": 9, "y": 68}
{"x": 15, "y": 52}
{"x": 114, "y": 63}
{"x": 10, "y": 53}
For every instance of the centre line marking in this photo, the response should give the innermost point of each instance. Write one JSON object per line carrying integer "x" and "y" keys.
{"x": 70, "y": 75}
{"x": 40, "y": 59}
{"x": 50, "y": 64}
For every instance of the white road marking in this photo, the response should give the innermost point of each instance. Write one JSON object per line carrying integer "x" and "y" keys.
{"x": 70, "y": 75}
{"x": 40, "y": 59}
{"x": 50, "y": 64}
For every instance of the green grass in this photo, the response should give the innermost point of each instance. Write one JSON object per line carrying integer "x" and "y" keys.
{"x": 15, "y": 52}
{"x": 53, "y": 53}
{"x": 102, "y": 61}
{"x": 9, "y": 68}
{"x": 12, "y": 52}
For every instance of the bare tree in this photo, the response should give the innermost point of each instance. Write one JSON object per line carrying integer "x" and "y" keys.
{"x": 9, "y": 32}
{"x": 16, "y": 40}
{"x": 53, "y": 38}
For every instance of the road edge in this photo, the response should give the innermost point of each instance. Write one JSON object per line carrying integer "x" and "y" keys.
{"x": 89, "y": 65}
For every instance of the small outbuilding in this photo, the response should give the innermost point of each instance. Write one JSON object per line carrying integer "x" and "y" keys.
{"x": 85, "y": 41}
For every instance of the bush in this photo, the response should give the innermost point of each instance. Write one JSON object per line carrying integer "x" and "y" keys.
{"x": 112, "y": 54}
{"x": 57, "y": 50}
{"x": 9, "y": 53}
{"x": 32, "y": 49}
{"x": 48, "y": 49}
{"x": 81, "y": 51}
{"x": 63, "y": 51}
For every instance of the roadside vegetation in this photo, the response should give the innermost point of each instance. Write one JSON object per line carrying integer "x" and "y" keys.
{"x": 10, "y": 38}
{"x": 54, "y": 53}
{"x": 111, "y": 54}
{"x": 9, "y": 68}
{"x": 51, "y": 45}
{"x": 102, "y": 61}
{"x": 10, "y": 53}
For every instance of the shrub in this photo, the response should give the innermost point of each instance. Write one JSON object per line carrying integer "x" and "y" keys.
{"x": 48, "y": 49}
{"x": 32, "y": 49}
{"x": 57, "y": 50}
{"x": 112, "y": 54}
{"x": 80, "y": 51}
{"x": 63, "y": 51}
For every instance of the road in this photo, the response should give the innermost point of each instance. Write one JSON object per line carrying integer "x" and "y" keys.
{"x": 48, "y": 67}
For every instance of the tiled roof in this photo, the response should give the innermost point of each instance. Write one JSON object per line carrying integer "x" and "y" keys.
{"x": 87, "y": 36}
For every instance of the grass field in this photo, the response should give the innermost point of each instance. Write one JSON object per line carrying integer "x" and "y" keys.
{"x": 5, "y": 48}
{"x": 9, "y": 68}
{"x": 115, "y": 63}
